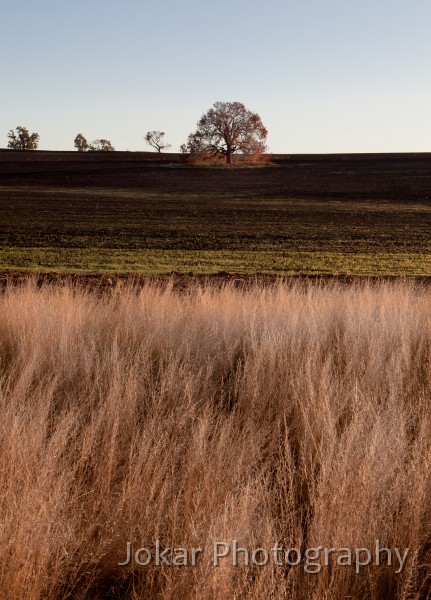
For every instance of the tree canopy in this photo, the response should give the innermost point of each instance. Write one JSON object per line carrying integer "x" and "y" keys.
{"x": 101, "y": 146}
{"x": 81, "y": 143}
{"x": 155, "y": 139}
{"x": 21, "y": 139}
{"x": 227, "y": 128}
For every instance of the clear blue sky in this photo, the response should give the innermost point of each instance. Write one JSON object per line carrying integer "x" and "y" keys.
{"x": 324, "y": 75}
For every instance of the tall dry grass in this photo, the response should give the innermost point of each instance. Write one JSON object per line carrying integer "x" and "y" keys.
{"x": 294, "y": 414}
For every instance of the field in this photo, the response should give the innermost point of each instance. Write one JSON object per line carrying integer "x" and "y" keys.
{"x": 295, "y": 415}
{"x": 139, "y": 212}
{"x": 163, "y": 386}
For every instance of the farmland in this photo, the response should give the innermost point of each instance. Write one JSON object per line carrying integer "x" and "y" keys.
{"x": 146, "y": 213}
{"x": 214, "y": 400}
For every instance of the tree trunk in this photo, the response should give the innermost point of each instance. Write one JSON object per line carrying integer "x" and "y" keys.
{"x": 229, "y": 155}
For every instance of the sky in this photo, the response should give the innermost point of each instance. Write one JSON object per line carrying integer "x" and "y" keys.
{"x": 324, "y": 75}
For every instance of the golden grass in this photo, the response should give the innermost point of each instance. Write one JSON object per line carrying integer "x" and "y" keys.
{"x": 297, "y": 414}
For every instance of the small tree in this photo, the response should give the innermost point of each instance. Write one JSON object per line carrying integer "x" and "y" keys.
{"x": 81, "y": 143}
{"x": 155, "y": 139}
{"x": 21, "y": 139}
{"x": 227, "y": 127}
{"x": 101, "y": 146}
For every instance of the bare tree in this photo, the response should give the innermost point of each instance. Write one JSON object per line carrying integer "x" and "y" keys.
{"x": 81, "y": 143}
{"x": 155, "y": 139}
{"x": 21, "y": 139}
{"x": 227, "y": 127}
{"x": 101, "y": 146}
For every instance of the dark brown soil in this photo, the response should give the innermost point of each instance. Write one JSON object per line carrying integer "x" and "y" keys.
{"x": 395, "y": 177}
{"x": 117, "y": 204}
{"x": 99, "y": 281}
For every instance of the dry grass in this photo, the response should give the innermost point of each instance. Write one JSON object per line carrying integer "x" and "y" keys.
{"x": 294, "y": 414}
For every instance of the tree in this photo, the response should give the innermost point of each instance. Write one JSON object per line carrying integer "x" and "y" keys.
{"x": 155, "y": 139}
{"x": 227, "y": 127}
{"x": 81, "y": 143}
{"x": 101, "y": 146}
{"x": 22, "y": 139}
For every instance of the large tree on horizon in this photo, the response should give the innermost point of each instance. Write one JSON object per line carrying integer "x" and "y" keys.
{"x": 227, "y": 128}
